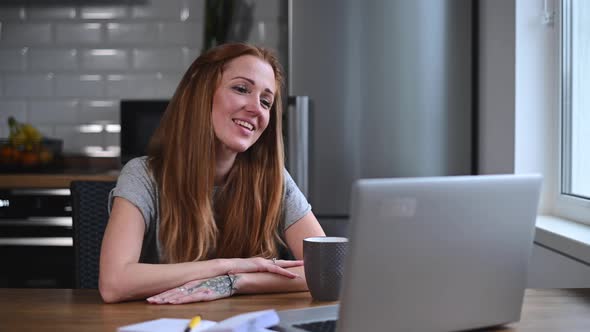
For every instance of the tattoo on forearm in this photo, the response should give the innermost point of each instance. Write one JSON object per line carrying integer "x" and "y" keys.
{"x": 222, "y": 285}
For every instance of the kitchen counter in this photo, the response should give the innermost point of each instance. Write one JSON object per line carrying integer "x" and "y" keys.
{"x": 71, "y": 168}
{"x": 53, "y": 180}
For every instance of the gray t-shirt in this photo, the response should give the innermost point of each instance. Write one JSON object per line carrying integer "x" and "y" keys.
{"x": 137, "y": 185}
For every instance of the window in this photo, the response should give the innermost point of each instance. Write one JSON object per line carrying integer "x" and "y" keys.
{"x": 574, "y": 200}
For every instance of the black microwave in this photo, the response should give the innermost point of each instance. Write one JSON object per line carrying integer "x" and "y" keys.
{"x": 139, "y": 120}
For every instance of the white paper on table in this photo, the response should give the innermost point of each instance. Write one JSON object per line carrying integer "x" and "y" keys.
{"x": 165, "y": 324}
{"x": 256, "y": 321}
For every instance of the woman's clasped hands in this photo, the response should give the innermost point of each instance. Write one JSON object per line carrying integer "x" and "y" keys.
{"x": 224, "y": 285}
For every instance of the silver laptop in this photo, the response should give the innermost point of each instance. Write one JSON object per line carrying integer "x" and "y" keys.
{"x": 433, "y": 254}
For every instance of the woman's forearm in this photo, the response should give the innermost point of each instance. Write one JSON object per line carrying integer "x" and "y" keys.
{"x": 263, "y": 282}
{"x": 139, "y": 281}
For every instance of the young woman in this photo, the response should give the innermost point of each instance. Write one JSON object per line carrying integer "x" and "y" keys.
{"x": 205, "y": 214}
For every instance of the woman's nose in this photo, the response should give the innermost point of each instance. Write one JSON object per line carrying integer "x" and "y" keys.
{"x": 253, "y": 105}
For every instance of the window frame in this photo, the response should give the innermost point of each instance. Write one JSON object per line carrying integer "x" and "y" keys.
{"x": 566, "y": 205}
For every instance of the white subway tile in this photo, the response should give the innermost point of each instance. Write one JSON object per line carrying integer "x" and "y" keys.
{"x": 13, "y": 59}
{"x": 158, "y": 9}
{"x": 48, "y": 111}
{"x": 104, "y": 59}
{"x": 263, "y": 9}
{"x": 14, "y": 108}
{"x": 193, "y": 10}
{"x": 78, "y": 33}
{"x": 53, "y": 59}
{"x": 28, "y": 85}
{"x": 103, "y": 12}
{"x": 132, "y": 33}
{"x": 112, "y": 139}
{"x": 26, "y": 34}
{"x": 131, "y": 86}
{"x": 265, "y": 33}
{"x": 93, "y": 111}
{"x": 183, "y": 33}
{"x": 76, "y": 85}
{"x": 12, "y": 13}
{"x": 158, "y": 59}
{"x": 51, "y": 12}
{"x": 166, "y": 84}
{"x": 190, "y": 55}
{"x": 74, "y": 140}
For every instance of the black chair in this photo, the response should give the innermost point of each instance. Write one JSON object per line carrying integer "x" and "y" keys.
{"x": 90, "y": 216}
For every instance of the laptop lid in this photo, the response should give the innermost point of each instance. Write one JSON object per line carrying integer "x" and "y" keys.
{"x": 438, "y": 253}
{"x": 433, "y": 254}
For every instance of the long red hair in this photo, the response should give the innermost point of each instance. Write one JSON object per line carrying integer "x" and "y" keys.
{"x": 244, "y": 221}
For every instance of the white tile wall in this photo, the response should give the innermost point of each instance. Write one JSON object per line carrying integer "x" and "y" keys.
{"x": 78, "y": 33}
{"x": 171, "y": 10}
{"x": 15, "y": 12}
{"x": 26, "y": 34}
{"x": 157, "y": 58}
{"x": 99, "y": 111}
{"x": 42, "y": 59}
{"x": 47, "y": 111}
{"x": 104, "y": 59}
{"x": 70, "y": 63}
{"x": 193, "y": 10}
{"x": 166, "y": 84}
{"x": 51, "y": 13}
{"x": 76, "y": 85}
{"x": 12, "y": 59}
{"x": 190, "y": 54}
{"x": 74, "y": 140}
{"x": 103, "y": 12}
{"x": 131, "y": 86}
{"x": 131, "y": 33}
{"x": 28, "y": 85}
{"x": 183, "y": 33}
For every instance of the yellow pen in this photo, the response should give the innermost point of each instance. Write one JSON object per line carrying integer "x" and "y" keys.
{"x": 193, "y": 323}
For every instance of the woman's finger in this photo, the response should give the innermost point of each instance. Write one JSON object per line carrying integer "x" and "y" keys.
{"x": 258, "y": 264}
{"x": 285, "y": 263}
{"x": 279, "y": 270}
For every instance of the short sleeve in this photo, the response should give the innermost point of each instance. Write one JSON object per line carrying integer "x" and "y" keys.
{"x": 136, "y": 185}
{"x": 295, "y": 203}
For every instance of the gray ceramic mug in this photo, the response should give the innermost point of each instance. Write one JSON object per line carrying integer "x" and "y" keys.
{"x": 323, "y": 259}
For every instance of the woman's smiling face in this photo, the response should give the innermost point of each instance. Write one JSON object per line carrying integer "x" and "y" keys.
{"x": 242, "y": 103}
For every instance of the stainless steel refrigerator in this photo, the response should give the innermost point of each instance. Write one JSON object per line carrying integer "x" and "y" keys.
{"x": 379, "y": 88}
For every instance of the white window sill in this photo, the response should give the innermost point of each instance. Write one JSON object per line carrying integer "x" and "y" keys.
{"x": 566, "y": 237}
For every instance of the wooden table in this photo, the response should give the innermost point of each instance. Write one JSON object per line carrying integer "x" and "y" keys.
{"x": 83, "y": 310}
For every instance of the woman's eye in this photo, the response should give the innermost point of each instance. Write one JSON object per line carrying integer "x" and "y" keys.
{"x": 241, "y": 89}
{"x": 266, "y": 103}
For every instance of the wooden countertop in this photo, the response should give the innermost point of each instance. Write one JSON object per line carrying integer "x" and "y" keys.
{"x": 57, "y": 180}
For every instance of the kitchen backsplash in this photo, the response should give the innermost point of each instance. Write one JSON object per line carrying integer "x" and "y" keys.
{"x": 65, "y": 65}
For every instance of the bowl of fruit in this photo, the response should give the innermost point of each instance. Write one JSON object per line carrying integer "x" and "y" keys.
{"x": 27, "y": 150}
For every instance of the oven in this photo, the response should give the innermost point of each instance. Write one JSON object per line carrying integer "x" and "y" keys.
{"x": 36, "y": 238}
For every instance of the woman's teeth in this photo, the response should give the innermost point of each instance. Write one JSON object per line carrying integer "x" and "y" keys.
{"x": 244, "y": 124}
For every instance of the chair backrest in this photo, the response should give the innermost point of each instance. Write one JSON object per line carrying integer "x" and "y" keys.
{"x": 90, "y": 216}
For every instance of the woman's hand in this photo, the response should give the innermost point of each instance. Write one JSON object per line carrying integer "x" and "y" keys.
{"x": 258, "y": 264}
{"x": 198, "y": 291}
